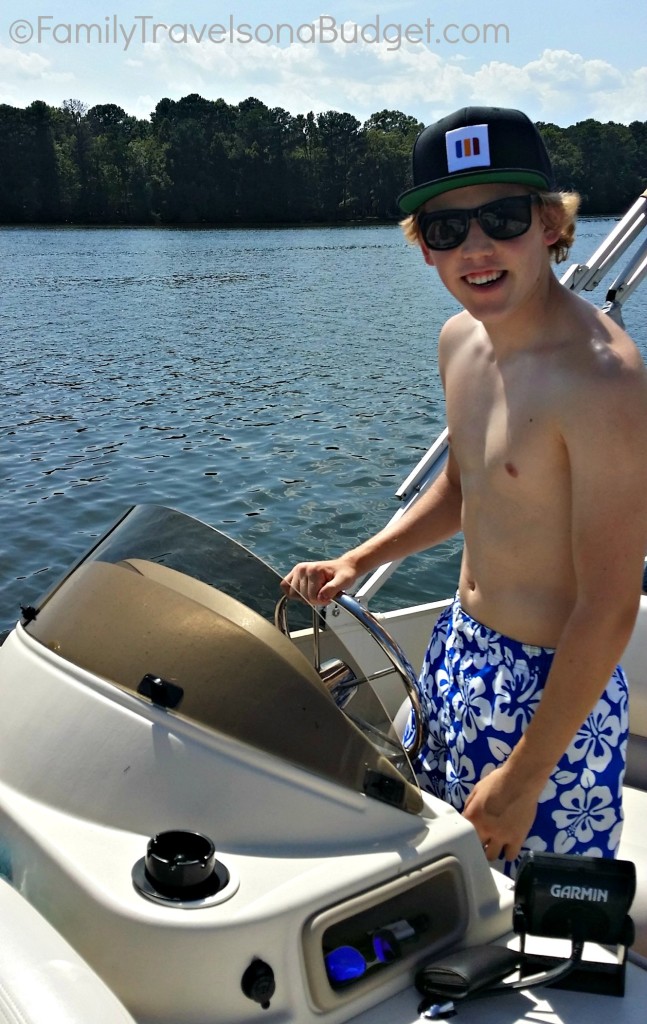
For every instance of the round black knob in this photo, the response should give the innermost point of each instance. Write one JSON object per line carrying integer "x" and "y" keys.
{"x": 178, "y": 862}
{"x": 258, "y": 983}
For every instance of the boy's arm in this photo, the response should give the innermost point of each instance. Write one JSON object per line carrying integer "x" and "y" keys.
{"x": 607, "y": 450}
{"x": 434, "y": 517}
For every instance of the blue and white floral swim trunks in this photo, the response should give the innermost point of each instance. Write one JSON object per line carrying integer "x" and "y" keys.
{"x": 478, "y": 691}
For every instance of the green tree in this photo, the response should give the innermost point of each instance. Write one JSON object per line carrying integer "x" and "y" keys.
{"x": 29, "y": 173}
{"x": 149, "y": 180}
{"x": 112, "y": 133}
{"x": 339, "y": 147}
{"x": 609, "y": 177}
{"x": 206, "y": 161}
{"x": 565, "y": 156}
{"x": 389, "y": 135}
{"x": 194, "y": 136}
{"x": 74, "y": 112}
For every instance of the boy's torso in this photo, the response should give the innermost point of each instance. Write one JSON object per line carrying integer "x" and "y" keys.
{"x": 504, "y": 421}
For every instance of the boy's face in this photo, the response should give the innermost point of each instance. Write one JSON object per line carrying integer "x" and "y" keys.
{"x": 489, "y": 277}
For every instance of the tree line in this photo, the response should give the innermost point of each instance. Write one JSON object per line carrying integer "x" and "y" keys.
{"x": 199, "y": 161}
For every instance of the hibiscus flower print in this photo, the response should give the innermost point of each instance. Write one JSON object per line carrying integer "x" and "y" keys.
{"x": 517, "y": 694}
{"x": 432, "y": 758}
{"x": 582, "y": 814}
{"x": 471, "y": 708}
{"x": 597, "y": 738}
{"x": 481, "y": 691}
{"x": 460, "y": 781}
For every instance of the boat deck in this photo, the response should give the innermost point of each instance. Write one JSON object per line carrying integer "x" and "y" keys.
{"x": 540, "y": 1005}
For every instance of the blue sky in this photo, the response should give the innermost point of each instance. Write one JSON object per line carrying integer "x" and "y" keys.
{"x": 560, "y": 62}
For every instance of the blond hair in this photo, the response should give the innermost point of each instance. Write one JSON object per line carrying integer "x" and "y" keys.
{"x": 556, "y": 209}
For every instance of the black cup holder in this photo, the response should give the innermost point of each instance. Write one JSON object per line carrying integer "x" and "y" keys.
{"x": 180, "y": 867}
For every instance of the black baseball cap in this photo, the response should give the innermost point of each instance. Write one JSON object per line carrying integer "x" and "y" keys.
{"x": 476, "y": 146}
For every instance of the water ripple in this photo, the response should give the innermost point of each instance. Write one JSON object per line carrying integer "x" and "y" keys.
{"x": 279, "y": 384}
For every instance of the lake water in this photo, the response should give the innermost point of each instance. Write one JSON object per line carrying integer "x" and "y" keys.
{"x": 278, "y": 384}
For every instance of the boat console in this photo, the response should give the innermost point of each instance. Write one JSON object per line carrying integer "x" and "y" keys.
{"x": 215, "y": 830}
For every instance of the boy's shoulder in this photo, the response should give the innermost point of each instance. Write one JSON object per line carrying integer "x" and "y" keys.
{"x": 459, "y": 328}
{"x": 599, "y": 379}
{"x": 598, "y": 350}
{"x": 457, "y": 325}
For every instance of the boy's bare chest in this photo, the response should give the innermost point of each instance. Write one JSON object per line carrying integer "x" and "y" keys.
{"x": 503, "y": 432}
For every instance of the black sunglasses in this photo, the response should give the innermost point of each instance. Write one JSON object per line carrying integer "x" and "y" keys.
{"x": 500, "y": 219}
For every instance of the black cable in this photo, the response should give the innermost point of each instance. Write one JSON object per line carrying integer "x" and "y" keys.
{"x": 545, "y": 977}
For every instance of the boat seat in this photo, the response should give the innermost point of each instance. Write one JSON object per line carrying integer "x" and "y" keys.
{"x": 42, "y": 979}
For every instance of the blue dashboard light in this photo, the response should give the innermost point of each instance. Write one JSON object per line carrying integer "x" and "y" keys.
{"x": 344, "y": 964}
{"x": 386, "y": 947}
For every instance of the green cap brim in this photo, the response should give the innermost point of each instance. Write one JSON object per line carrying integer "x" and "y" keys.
{"x": 413, "y": 198}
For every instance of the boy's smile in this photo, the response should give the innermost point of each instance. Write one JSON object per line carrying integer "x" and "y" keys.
{"x": 484, "y": 280}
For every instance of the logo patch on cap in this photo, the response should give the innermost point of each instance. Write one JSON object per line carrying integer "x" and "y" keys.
{"x": 467, "y": 147}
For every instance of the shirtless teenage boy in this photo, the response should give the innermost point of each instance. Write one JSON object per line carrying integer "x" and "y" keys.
{"x": 546, "y": 402}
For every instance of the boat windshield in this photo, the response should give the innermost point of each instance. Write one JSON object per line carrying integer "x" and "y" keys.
{"x": 180, "y": 615}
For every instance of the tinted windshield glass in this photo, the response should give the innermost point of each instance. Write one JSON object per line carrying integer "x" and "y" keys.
{"x": 171, "y": 538}
{"x": 165, "y": 597}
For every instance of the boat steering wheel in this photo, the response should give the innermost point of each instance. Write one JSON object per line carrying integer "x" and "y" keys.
{"x": 341, "y": 681}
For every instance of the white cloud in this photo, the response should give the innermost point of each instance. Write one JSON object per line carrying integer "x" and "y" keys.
{"x": 628, "y": 103}
{"x": 562, "y": 87}
{"x": 565, "y": 68}
{"x": 558, "y": 85}
{"x": 22, "y": 64}
{"x": 19, "y": 70}
{"x": 142, "y": 106}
